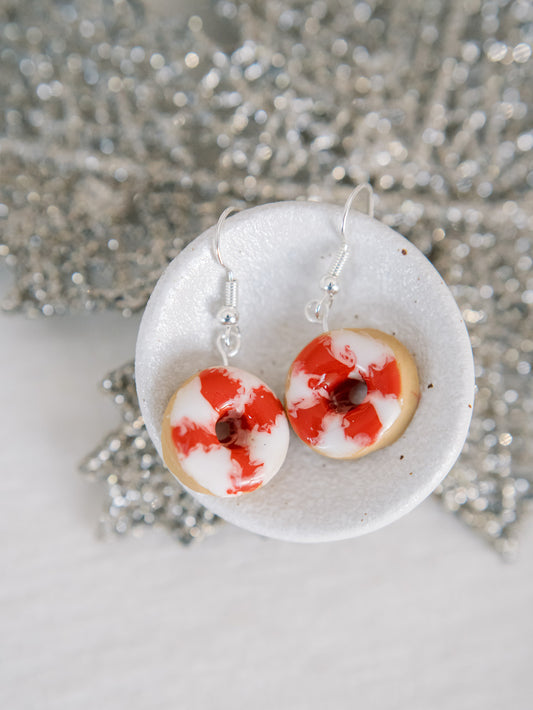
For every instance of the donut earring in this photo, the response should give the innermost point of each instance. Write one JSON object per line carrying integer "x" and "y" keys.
{"x": 224, "y": 432}
{"x": 354, "y": 390}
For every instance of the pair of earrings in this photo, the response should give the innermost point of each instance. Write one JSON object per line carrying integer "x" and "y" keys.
{"x": 349, "y": 392}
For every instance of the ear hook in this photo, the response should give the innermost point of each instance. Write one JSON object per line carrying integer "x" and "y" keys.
{"x": 317, "y": 311}
{"x": 351, "y": 197}
{"x": 229, "y": 341}
{"x": 218, "y": 232}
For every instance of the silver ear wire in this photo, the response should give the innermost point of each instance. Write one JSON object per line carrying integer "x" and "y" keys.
{"x": 229, "y": 341}
{"x": 317, "y": 311}
{"x": 351, "y": 197}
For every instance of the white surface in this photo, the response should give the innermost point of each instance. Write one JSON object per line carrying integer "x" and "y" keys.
{"x": 418, "y": 615}
{"x": 278, "y": 253}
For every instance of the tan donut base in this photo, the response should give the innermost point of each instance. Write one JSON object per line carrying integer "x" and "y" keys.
{"x": 409, "y": 393}
{"x": 170, "y": 456}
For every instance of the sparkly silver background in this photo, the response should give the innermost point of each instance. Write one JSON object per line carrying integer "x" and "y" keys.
{"x": 126, "y": 130}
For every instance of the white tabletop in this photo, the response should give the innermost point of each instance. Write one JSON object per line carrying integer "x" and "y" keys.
{"x": 421, "y": 614}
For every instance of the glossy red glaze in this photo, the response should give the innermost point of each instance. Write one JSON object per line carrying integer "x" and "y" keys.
{"x": 259, "y": 411}
{"x": 387, "y": 380}
{"x": 187, "y": 435}
{"x": 327, "y": 375}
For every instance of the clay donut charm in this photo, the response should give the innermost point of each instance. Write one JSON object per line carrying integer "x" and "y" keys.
{"x": 224, "y": 432}
{"x": 351, "y": 391}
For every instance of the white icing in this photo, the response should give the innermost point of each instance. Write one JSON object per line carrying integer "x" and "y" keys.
{"x": 270, "y": 448}
{"x": 359, "y": 351}
{"x": 247, "y": 383}
{"x": 333, "y": 440}
{"x": 211, "y": 469}
{"x": 245, "y": 387}
{"x": 191, "y": 404}
{"x": 299, "y": 394}
{"x": 387, "y": 407}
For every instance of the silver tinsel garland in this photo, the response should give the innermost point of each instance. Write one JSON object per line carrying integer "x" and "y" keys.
{"x": 140, "y": 490}
{"x": 126, "y": 133}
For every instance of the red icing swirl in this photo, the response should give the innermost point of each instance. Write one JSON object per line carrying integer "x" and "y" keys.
{"x": 330, "y": 375}
{"x": 239, "y": 412}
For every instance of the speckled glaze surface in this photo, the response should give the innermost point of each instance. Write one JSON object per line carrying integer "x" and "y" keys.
{"x": 278, "y": 253}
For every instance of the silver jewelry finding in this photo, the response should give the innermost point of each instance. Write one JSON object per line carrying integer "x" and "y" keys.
{"x": 317, "y": 310}
{"x": 229, "y": 341}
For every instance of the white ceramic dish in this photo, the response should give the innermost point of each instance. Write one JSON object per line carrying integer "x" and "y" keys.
{"x": 278, "y": 252}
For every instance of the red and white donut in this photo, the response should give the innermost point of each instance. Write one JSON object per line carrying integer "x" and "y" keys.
{"x": 351, "y": 391}
{"x": 224, "y": 432}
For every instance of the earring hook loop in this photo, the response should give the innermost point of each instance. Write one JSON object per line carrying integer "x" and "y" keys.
{"x": 229, "y": 341}
{"x": 218, "y": 233}
{"x": 365, "y": 187}
{"x": 317, "y": 311}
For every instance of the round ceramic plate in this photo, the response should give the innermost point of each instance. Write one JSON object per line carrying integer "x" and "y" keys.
{"x": 278, "y": 252}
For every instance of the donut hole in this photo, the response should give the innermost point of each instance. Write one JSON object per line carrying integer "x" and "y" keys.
{"x": 347, "y": 395}
{"x": 231, "y": 430}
